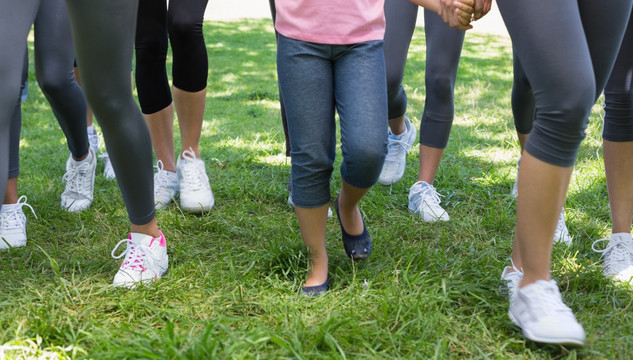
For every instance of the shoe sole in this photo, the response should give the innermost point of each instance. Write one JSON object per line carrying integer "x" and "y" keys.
{"x": 558, "y": 341}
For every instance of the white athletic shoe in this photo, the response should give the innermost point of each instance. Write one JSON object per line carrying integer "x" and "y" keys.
{"x": 13, "y": 224}
{"x": 618, "y": 256}
{"x": 195, "y": 190}
{"x": 425, "y": 201}
{"x": 539, "y": 311}
{"x": 561, "y": 235}
{"x": 515, "y": 187}
{"x": 511, "y": 277}
{"x": 165, "y": 186}
{"x": 108, "y": 170}
{"x": 396, "y": 159}
{"x": 329, "y": 210}
{"x": 145, "y": 260}
{"x": 93, "y": 139}
{"x": 80, "y": 183}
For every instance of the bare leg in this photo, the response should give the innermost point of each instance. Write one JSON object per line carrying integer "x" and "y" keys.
{"x": 618, "y": 164}
{"x": 151, "y": 228}
{"x": 313, "y": 225}
{"x": 161, "y": 130}
{"x": 523, "y": 138}
{"x": 190, "y": 110}
{"x": 430, "y": 159}
{"x": 542, "y": 190}
{"x": 397, "y": 125}
{"x": 348, "y": 200}
{"x": 11, "y": 196}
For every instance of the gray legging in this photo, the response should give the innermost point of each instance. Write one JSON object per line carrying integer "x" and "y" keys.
{"x": 618, "y": 94}
{"x": 568, "y": 71}
{"x": 54, "y": 58}
{"x": 16, "y": 125}
{"x": 103, "y": 35}
{"x": 444, "y": 46}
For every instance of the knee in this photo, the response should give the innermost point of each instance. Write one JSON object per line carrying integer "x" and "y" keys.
{"x": 440, "y": 85}
{"x": 364, "y": 161}
{"x": 183, "y": 27}
{"x": 53, "y": 83}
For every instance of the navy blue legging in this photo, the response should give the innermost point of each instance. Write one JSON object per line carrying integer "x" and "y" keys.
{"x": 568, "y": 71}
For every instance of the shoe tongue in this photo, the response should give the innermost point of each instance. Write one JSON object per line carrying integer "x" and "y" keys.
{"x": 141, "y": 239}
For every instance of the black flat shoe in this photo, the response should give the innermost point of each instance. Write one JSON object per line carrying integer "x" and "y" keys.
{"x": 316, "y": 290}
{"x": 358, "y": 247}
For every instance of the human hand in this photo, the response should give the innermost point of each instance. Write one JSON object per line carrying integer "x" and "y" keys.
{"x": 457, "y": 13}
{"x": 482, "y": 7}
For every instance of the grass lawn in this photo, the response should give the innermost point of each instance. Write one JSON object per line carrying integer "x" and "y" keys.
{"x": 232, "y": 290}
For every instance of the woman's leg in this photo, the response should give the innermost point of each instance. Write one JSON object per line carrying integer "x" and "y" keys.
{"x": 618, "y": 161}
{"x": 444, "y": 47}
{"x": 54, "y": 57}
{"x": 305, "y": 70}
{"x": 400, "y": 16}
{"x": 564, "y": 83}
{"x": 103, "y": 34}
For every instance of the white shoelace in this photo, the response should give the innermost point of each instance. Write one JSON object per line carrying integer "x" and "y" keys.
{"x": 193, "y": 171}
{"x": 10, "y": 219}
{"x": 549, "y": 299}
{"x": 394, "y": 148}
{"x": 135, "y": 256}
{"x": 617, "y": 253}
{"x": 161, "y": 180}
{"x": 428, "y": 195}
{"x": 75, "y": 177}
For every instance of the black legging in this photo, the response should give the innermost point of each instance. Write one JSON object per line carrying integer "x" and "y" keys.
{"x": 183, "y": 22}
{"x": 568, "y": 71}
{"x": 444, "y": 46}
{"x": 103, "y": 35}
{"x": 618, "y": 94}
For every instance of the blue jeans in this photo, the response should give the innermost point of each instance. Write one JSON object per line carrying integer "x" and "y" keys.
{"x": 316, "y": 80}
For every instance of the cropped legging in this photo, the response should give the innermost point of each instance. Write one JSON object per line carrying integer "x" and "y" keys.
{"x": 443, "y": 50}
{"x": 618, "y": 94}
{"x": 16, "y": 124}
{"x": 183, "y": 23}
{"x": 103, "y": 35}
{"x": 54, "y": 57}
{"x": 568, "y": 71}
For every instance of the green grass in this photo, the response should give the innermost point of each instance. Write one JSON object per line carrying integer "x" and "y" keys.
{"x": 428, "y": 291}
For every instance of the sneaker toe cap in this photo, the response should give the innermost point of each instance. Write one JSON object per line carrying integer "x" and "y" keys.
{"x": 76, "y": 205}
{"x": 556, "y": 330}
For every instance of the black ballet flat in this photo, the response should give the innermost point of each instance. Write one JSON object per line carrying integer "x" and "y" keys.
{"x": 357, "y": 247}
{"x": 316, "y": 290}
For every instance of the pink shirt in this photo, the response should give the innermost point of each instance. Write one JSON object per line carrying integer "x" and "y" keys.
{"x": 335, "y": 22}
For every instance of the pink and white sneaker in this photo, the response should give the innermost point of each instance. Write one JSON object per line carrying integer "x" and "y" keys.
{"x": 145, "y": 260}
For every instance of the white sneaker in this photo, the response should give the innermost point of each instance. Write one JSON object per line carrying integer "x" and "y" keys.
{"x": 618, "y": 257}
{"x": 80, "y": 183}
{"x": 93, "y": 139}
{"x": 425, "y": 201}
{"x": 561, "y": 235}
{"x": 108, "y": 170}
{"x": 515, "y": 187}
{"x": 13, "y": 224}
{"x": 512, "y": 277}
{"x": 329, "y": 210}
{"x": 539, "y": 311}
{"x": 145, "y": 260}
{"x": 396, "y": 159}
{"x": 165, "y": 186}
{"x": 195, "y": 191}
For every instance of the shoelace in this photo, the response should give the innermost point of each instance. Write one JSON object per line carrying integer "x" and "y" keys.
{"x": 74, "y": 178}
{"x": 550, "y": 299}
{"x": 429, "y": 193}
{"x": 10, "y": 219}
{"x": 512, "y": 282}
{"x": 160, "y": 178}
{"x": 616, "y": 253}
{"x": 396, "y": 145}
{"x": 193, "y": 171}
{"x": 135, "y": 256}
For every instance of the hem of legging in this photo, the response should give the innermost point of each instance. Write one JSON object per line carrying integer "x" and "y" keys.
{"x": 155, "y": 109}
{"x": 619, "y": 139}
{"x": 363, "y": 186}
{"x": 546, "y": 158}
{"x": 311, "y": 206}
{"x": 422, "y": 142}
{"x": 143, "y": 219}
{"x": 192, "y": 89}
